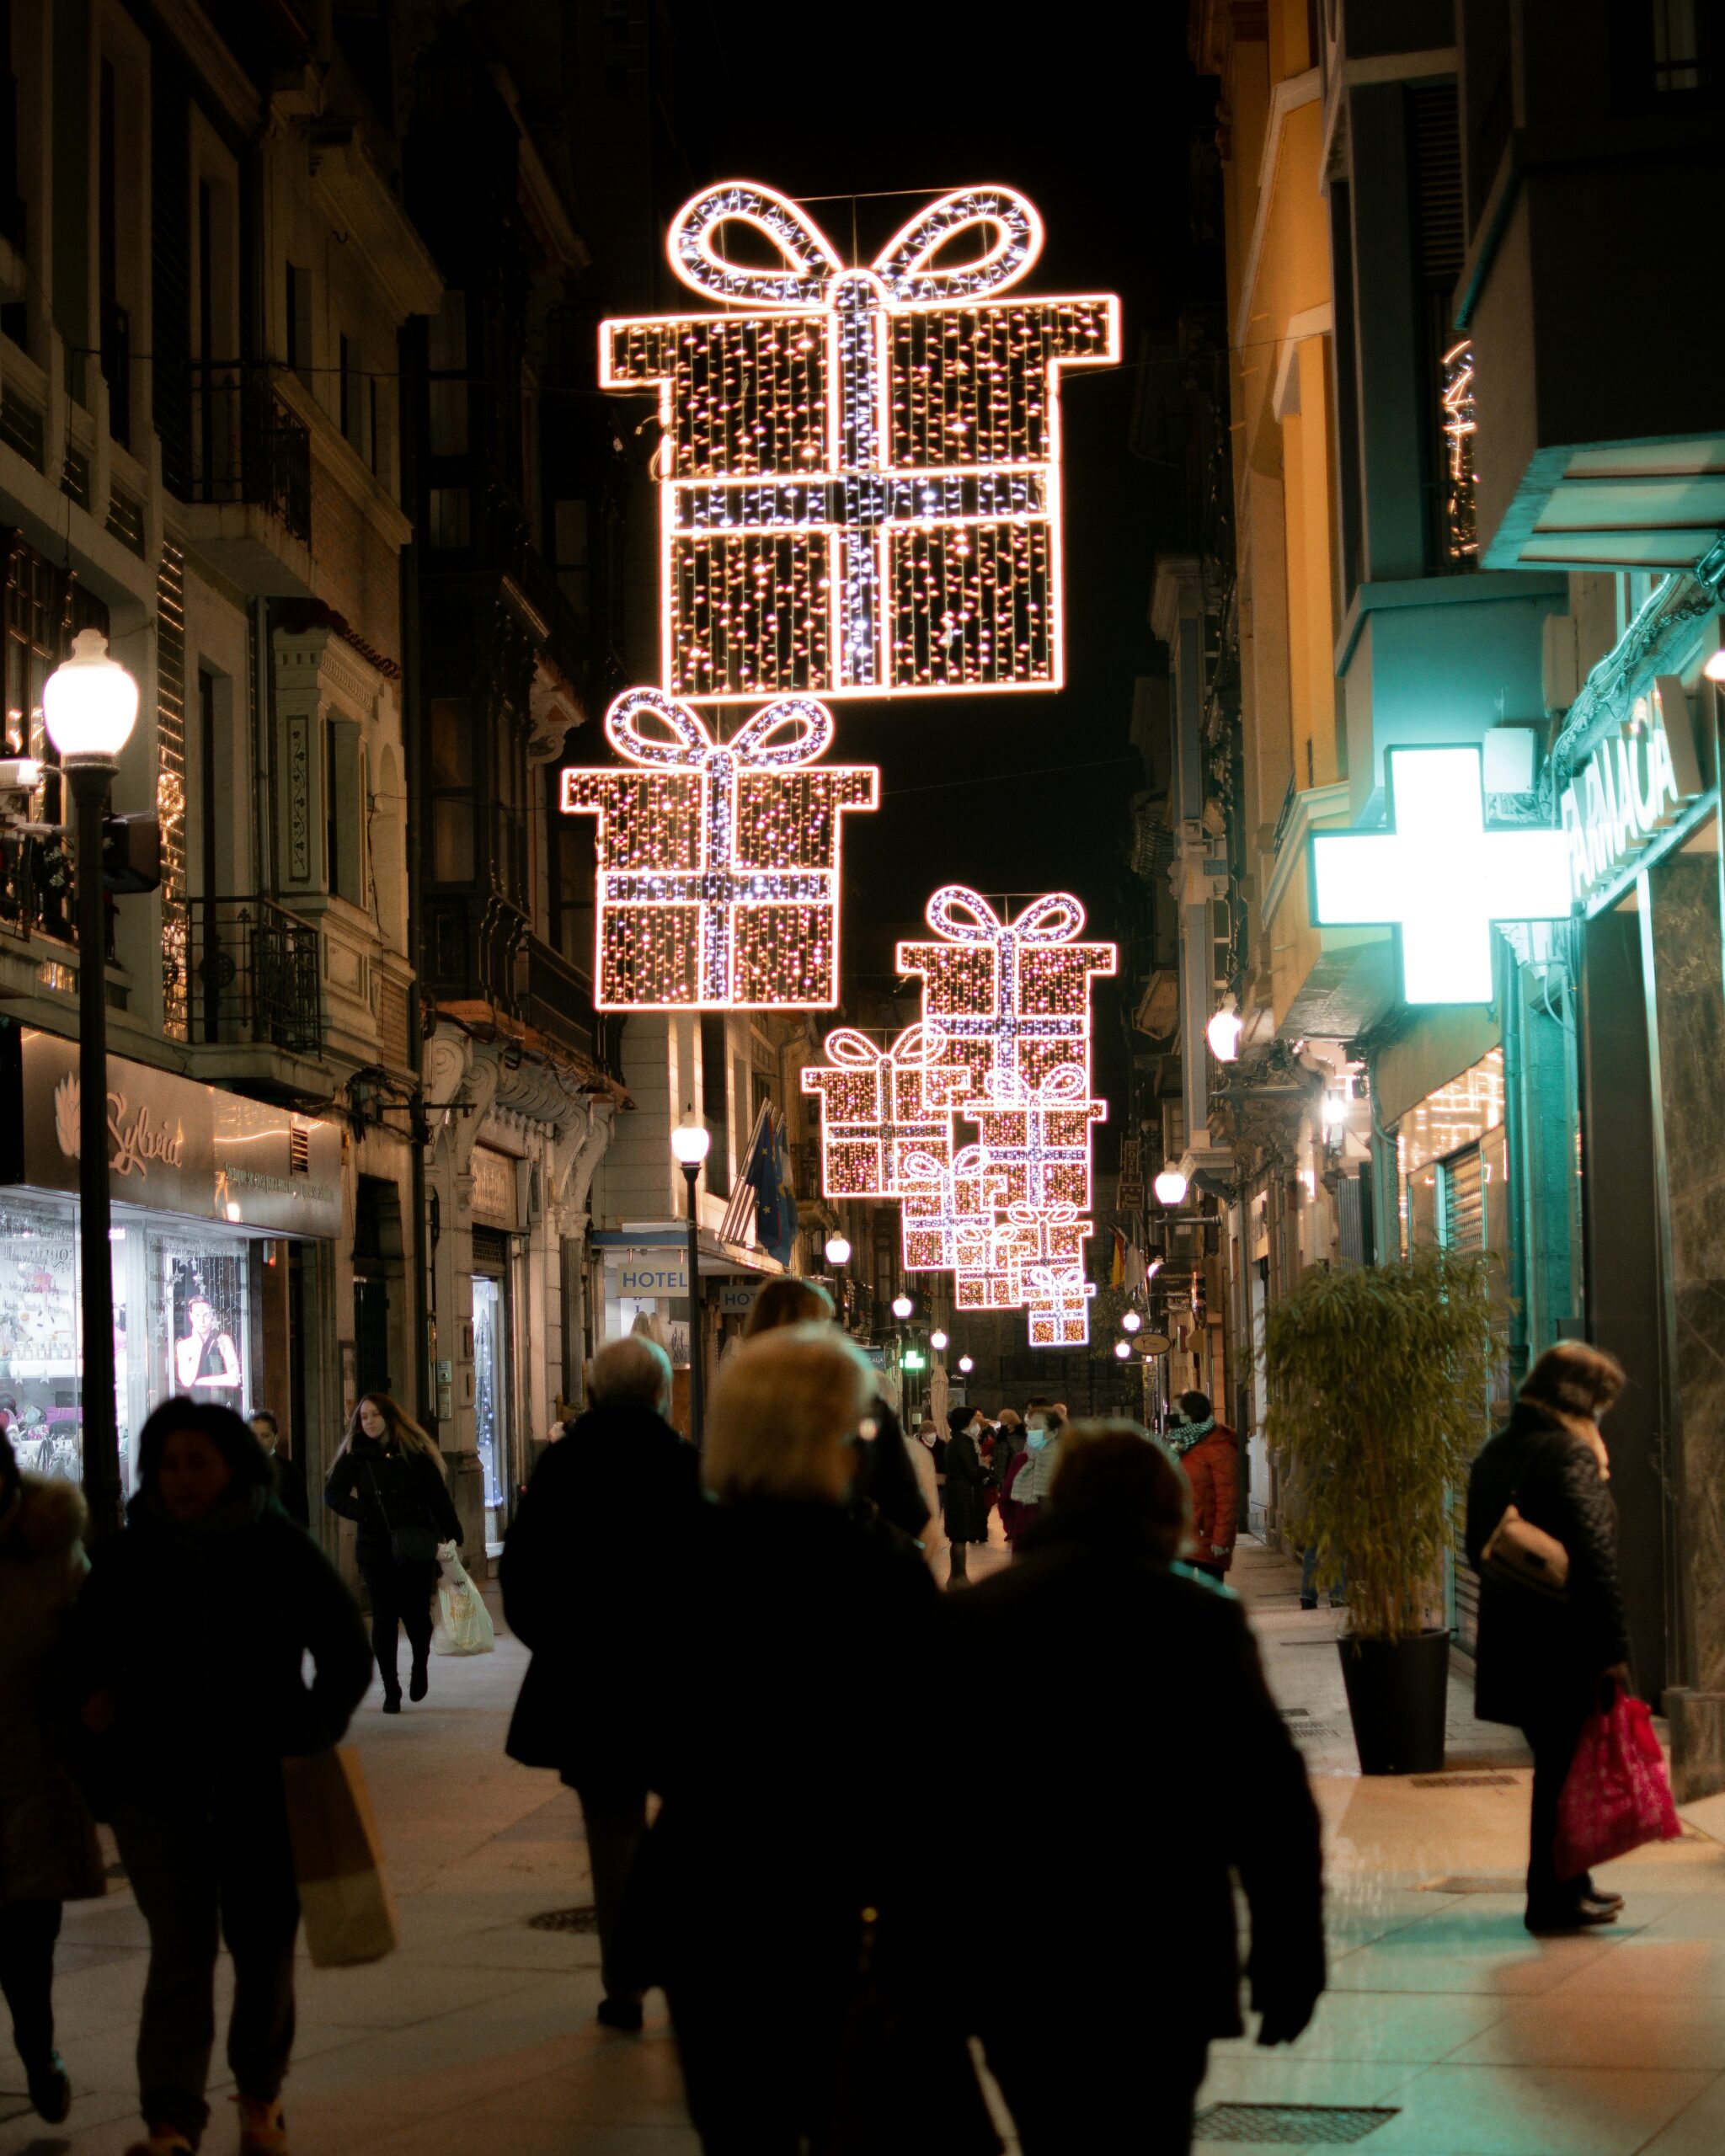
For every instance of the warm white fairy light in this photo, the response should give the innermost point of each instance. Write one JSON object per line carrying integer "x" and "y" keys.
{"x": 719, "y": 861}
{"x": 862, "y": 485}
{"x": 879, "y": 1108}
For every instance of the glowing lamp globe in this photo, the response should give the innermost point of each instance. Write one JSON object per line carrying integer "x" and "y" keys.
{"x": 902, "y": 1307}
{"x": 938, "y": 1341}
{"x": 1715, "y": 667}
{"x": 1123, "y": 1349}
{"x": 1131, "y": 1321}
{"x": 1170, "y": 1187}
{"x": 966, "y": 1364}
{"x": 90, "y": 703}
{"x": 1223, "y": 1032}
{"x": 690, "y": 1141}
{"x": 838, "y": 1250}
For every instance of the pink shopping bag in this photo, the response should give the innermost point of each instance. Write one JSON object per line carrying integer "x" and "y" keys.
{"x": 1617, "y": 1795}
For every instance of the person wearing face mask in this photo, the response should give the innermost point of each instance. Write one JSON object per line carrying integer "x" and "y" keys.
{"x": 1209, "y": 1453}
{"x": 189, "y": 1644}
{"x": 1042, "y": 1460}
{"x": 966, "y": 1488}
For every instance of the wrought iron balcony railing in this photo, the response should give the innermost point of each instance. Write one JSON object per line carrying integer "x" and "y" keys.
{"x": 247, "y": 445}
{"x": 252, "y": 976}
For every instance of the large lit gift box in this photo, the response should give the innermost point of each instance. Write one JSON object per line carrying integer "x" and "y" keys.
{"x": 880, "y": 1106}
{"x": 718, "y": 860}
{"x": 1038, "y": 1137}
{"x": 861, "y": 467}
{"x": 1011, "y": 1000}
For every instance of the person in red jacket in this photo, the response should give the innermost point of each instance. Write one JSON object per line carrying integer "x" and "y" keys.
{"x": 1209, "y": 1452}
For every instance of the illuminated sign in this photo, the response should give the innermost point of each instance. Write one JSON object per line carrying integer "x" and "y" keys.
{"x": 860, "y": 467}
{"x": 1438, "y": 876}
{"x": 1635, "y": 785}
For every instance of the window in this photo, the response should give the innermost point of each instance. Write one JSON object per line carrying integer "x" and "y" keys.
{"x": 568, "y": 542}
{"x": 714, "y": 1103}
{"x": 344, "y": 798}
{"x": 452, "y": 859}
{"x": 1688, "y": 47}
{"x": 373, "y": 431}
{"x": 449, "y": 517}
{"x": 446, "y": 364}
{"x": 115, "y": 348}
{"x": 508, "y": 853}
{"x": 299, "y": 322}
{"x": 571, "y": 866}
{"x": 353, "y": 402}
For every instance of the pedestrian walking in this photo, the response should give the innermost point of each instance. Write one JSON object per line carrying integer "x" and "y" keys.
{"x": 885, "y": 1486}
{"x": 389, "y": 1477}
{"x": 49, "y": 1853}
{"x": 600, "y": 1531}
{"x": 1015, "y": 1517}
{"x": 1042, "y": 1457}
{"x": 790, "y": 1757}
{"x": 1113, "y": 2053}
{"x": 1209, "y": 1452}
{"x": 1541, "y": 1660}
{"x": 966, "y": 1488}
{"x": 289, "y": 1478}
{"x": 192, "y": 1636}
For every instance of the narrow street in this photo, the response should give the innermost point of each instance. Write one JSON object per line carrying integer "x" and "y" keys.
{"x": 1443, "y": 2014}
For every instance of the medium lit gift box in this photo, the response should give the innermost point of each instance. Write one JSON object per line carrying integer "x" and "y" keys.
{"x": 861, "y": 473}
{"x": 1038, "y": 1137}
{"x": 1011, "y": 999}
{"x": 718, "y": 860}
{"x": 1059, "y": 1300}
{"x": 879, "y": 1106}
{"x": 1043, "y": 1235}
{"x": 940, "y": 1205}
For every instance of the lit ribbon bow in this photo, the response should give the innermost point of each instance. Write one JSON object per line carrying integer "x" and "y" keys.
{"x": 905, "y": 268}
{"x": 718, "y": 884}
{"x": 963, "y": 915}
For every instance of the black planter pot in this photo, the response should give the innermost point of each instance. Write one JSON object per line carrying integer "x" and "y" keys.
{"x": 1398, "y": 1694}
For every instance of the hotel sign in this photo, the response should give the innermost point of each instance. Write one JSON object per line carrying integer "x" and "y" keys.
{"x": 1637, "y": 785}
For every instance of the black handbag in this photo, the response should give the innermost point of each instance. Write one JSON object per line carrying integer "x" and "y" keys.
{"x": 414, "y": 1543}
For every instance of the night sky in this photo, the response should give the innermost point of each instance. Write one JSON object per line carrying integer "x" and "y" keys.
{"x": 1011, "y": 794}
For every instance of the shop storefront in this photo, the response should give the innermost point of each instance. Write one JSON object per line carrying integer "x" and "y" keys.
{"x": 221, "y": 1209}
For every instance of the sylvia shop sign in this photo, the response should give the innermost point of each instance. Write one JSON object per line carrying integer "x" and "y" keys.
{"x": 1637, "y": 783}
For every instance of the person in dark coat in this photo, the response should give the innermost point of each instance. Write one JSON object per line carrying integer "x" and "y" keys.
{"x": 290, "y": 1478}
{"x": 604, "y": 1521}
{"x": 1131, "y": 1954}
{"x": 966, "y": 1494}
{"x": 789, "y": 1764}
{"x": 389, "y": 1477}
{"x": 49, "y": 1854}
{"x": 1540, "y": 1662}
{"x": 190, "y": 1641}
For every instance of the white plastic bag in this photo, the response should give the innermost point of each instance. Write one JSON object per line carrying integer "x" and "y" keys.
{"x": 463, "y": 1623}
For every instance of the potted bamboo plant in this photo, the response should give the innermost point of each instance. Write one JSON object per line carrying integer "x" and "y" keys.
{"x": 1378, "y": 1378}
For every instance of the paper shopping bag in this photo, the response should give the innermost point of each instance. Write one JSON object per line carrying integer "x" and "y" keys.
{"x": 344, "y": 1897}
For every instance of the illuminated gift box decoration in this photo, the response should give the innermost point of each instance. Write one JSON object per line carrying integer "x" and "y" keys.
{"x": 1045, "y": 1234}
{"x": 719, "y": 861}
{"x": 945, "y": 1206}
{"x": 861, "y": 476}
{"x": 1058, "y": 1299}
{"x": 877, "y": 1106}
{"x": 1039, "y": 1136}
{"x": 1010, "y": 999}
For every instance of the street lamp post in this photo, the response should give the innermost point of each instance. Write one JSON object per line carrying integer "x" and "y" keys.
{"x": 838, "y": 1255}
{"x": 689, "y": 1142}
{"x": 902, "y": 1308}
{"x": 90, "y": 707}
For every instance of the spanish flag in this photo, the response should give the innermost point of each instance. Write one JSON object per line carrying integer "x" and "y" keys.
{"x": 1117, "y": 1274}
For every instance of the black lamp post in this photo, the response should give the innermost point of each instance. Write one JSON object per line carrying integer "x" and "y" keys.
{"x": 89, "y": 706}
{"x": 689, "y": 1142}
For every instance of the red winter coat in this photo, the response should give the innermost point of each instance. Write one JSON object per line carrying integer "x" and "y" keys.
{"x": 1212, "y": 1467}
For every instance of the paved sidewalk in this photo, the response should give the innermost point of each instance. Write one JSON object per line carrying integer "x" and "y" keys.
{"x": 1476, "y": 2040}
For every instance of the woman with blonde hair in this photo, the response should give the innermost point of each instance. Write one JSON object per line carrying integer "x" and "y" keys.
{"x": 786, "y": 1760}
{"x": 388, "y": 1477}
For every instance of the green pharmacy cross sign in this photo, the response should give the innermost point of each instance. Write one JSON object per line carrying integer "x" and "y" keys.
{"x": 1438, "y": 877}
{"x": 915, "y": 1360}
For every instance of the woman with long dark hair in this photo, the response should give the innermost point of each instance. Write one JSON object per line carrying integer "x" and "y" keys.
{"x": 1543, "y": 1663}
{"x": 388, "y": 1477}
{"x": 192, "y": 1636}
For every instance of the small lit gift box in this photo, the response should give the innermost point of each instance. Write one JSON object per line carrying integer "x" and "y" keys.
{"x": 1009, "y": 998}
{"x": 940, "y": 1205}
{"x": 1059, "y": 1301}
{"x": 984, "y": 1276}
{"x": 719, "y": 861}
{"x": 1038, "y": 1136}
{"x": 861, "y": 467}
{"x": 880, "y": 1106}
